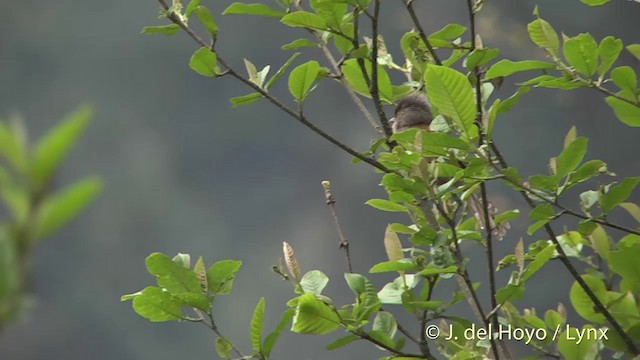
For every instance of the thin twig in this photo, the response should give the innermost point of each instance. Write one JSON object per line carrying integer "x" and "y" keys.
{"x": 416, "y": 22}
{"x": 344, "y": 243}
{"x": 375, "y": 94}
{"x": 296, "y": 115}
{"x": 572, "y": 270}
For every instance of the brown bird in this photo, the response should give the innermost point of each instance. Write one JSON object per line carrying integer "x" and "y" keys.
{"x": 414, "y": 111}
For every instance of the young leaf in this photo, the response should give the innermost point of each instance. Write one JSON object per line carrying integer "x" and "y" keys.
{"x": 392, "y": 245}
{"x": 507, "y": 104}
{"x": 281, "y": 71}
{"x": 302, "y": 78}
{"x": 450, "y": 92}
{"x": 314, "y": 282}
{"x": 581, "y": 52}
{"x": 205, "y": 17}
{"x": 385, "y": 323}
{"x": 595, "y": 2}
{"x": 221, "y": 274}
{"x": 157, "y": 305}
{"x": 13, "y": 147}
{"x": 304, "y": 19}
{"x": 252, "y": 9}
{"x": 256, "y": 326}
{"x": 204, "y": 62}
{"x": 191, "y": 7}
{"x": 571, "y": 156}
{"x": 298, "y": 43}
{"x": 618, "y": 193}
{"x": 543, "y": 35}
{"x": 634, "y": 49}
{"x": 63, "y": 206}
{"x": 627, "y": 113}
{"x": 343, "y": 341}
{"x": 53, "y": 147}
{"x": 313, "y": 316}
{"x": 171, "y": 276}
{"x": 386, "y": 205}
{"x": 353, "y": 74}
{"x": 223, "y": 348}
{"x": 245, "y": 99}
{"x": 480, "y": 57}
{"x": 165, "y": 29}
{"x": 632, "y": 209}
{"x": 270, "y": 340}
{"x": 625, "y": 77}
{"x": 608, "y": 50}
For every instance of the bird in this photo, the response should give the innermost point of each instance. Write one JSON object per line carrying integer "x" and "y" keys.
{"x": 414, "y": 111}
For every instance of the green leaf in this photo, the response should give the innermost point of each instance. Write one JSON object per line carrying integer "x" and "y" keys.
{"x": 252, "y": 9}
{"x": 304, "y": 19}
{"x": 444, "y": 36}
{"x": 245, "y": 99}
{"x": 507, "y": 67}
{"x": 600, "y": 242}
{"x": 571, "y": 156}
{"x": 506, "y": 216}
{"x": 353, "y": 74}
{"x": 608, "y": 50}
{"x": 221, "y": 274}
{"x": 257, "y": 321}
{"x": 385, "y": 323}
{"x": 204, "y": 62}
{"x": 507, "y": 104}
{"x": 587, "y": 171}
{"x": 16, "y": 199}
{"x": 10, "y": 274}
{"x": 480, "y": 57}
{"x": 198, "y": 301}
{"x": 386, "y": 205}
{"x": 634, "y": 49}
{"x": 272, "y": 338}
{"x": 171, "y": 276}
{"x": 205, "y": 17}
{"x": 63, "y": 206}
{"x": 157, "y": 305}
{"x": 632, "y": 209}
{"x": 625, "y": 78}
{"x": 314, "y": 282}
{"x": 624, "y": 262}
{"x": 618, "y": 193}
{"x": 281, "y": 71}
{"x": 165, "y": 29}
{"x": 302, "y": 78}
{"x": 343, "y": 341}
{"x": 581, "y": 52}
{"x": 12, "y": 145}
{"x": 54, "y": 146}
{"x": 582, "y": 302}
{"x": 389, "y": 266}
{"x": 450, "y": 91}
{"x": 570, "y": 344}
{"x": 191, "y": 7}
{"x": 223, "y": 348}
{"x": 298, "y": 43}
{"x": 561, "y": 83}
{"x": 313, "y": 316}
{"x": 594, "y": 2}
{"x": 543, "y": 35}
{"x": 627, "y": 113}
{"x": 538, "y": 262}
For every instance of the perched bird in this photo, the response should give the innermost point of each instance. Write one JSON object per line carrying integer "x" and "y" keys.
{"x": 414, "y": 111}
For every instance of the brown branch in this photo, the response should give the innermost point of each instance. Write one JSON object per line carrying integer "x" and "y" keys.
{"x": 344, "y": 243}
{"x": 374, "y": 71}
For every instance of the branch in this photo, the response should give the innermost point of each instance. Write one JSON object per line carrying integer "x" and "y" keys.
{"x": 296, "y": 115}
{"x": 409, "y": 5}
{"x": 374, "y": 70}
{"x": 344, "y": 243}
{"x": 572, "y": 270}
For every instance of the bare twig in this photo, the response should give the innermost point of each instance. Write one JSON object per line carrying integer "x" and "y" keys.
{"x": 344, "y": 243}
{"x": 375, "y": 94}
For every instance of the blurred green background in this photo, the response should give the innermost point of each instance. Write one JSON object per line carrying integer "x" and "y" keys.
{"x": 186, "y": 172}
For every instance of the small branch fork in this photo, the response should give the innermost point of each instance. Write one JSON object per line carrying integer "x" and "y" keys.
{"x": 344, "y": 243}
